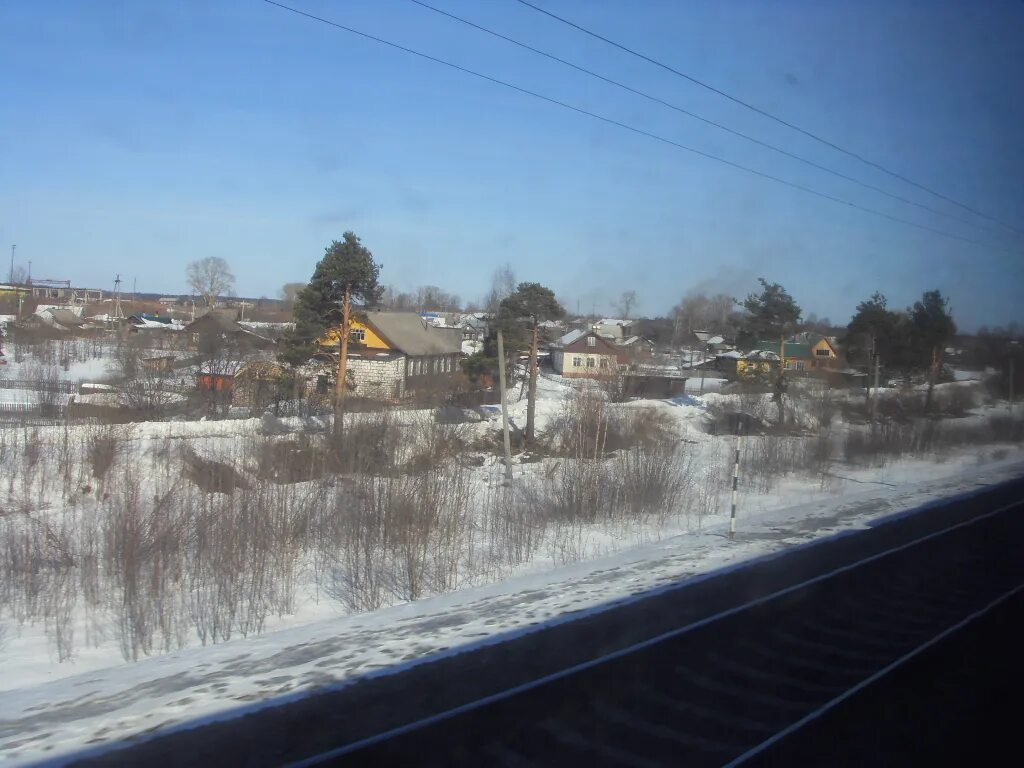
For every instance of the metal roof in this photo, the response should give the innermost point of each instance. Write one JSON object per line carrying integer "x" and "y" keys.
{"x": 408, "y": 333}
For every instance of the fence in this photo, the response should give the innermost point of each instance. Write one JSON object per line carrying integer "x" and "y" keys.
{"x": 23, "y": 412}
{"x": 40, "y": 385}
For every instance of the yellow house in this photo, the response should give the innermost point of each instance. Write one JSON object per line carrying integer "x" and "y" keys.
{"x": 391, "y": 355}
{"x": 800, "y": 356}
{"x": 363, "y": 335}
{"x": 824, "y": 353}
{"x": 756, "y": 363}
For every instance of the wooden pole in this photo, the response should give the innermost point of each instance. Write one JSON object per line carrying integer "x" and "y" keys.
{"x": 504, "y": 408}
{"x": 339, "y": 388}
{"x": 867, "y": 389}
{"x": 874, "y": 400}
{"x": 736, "y": 475}
{"x": 531, "y": 397}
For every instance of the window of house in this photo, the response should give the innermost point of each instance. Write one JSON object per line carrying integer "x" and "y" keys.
{"x": 800, "y": 365}
{"x": 822, "y": 352}
{"x": 590, "y": 362}
{"x": 604, "y": 362}
{"x": 577, "y": 362}
{"x": 591, "y": 341}
{"x": 359, "y": 334}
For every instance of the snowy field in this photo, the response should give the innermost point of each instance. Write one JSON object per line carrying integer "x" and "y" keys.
{"x": 158, "y": 572}
{"x": 82, "y": 710}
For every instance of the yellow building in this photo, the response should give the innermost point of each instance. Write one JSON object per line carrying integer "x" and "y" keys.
{"x": 391, "y": 355}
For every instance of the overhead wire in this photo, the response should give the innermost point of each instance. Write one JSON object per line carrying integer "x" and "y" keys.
{"x": 631, "y": 128}
{"x": 770, "y": 116}
{"x": 701, "y": 118}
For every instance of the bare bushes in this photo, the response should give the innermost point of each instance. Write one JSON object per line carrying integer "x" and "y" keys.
{"x": 211, "y": 475}
{"x": 622, "y": 467}
{"x": 399, "y": 536}
{"x": 926, "y": 438}
{"x": 103, "y": 443}
{"x": 768, "y": 460}
{"x": 589, "y": 427}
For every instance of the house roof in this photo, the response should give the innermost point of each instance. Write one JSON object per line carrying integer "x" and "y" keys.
{"x": 762, "y": 354}
{"x": 614, "y": 321}
{"x": 408, "y": 333}
{"x": 635, "y": 340}
{"x": 795, "y": 349}
{"x": 570, "y": 337}
{"x": 214, "y": 322}
{"x": 66, "y": 317}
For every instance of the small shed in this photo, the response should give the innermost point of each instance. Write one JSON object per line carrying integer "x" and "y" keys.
{"x": 260, "y": 384}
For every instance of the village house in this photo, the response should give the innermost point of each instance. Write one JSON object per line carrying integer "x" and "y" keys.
{"x": 261, "y": 383}
{"x": 636, "y": 350}
{"x": 60, "y": 318}
{"x": 221, "y": 325}
{"x": 392, "y": 355}
{"x": 754, "y": 364}
{"x": 584, "y": 354}
{"x": 614, "y": 329}
{"x": 818, "y": 352}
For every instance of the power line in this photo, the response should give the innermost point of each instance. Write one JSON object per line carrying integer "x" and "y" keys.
{"x": 631, "y": 128}
{"x": 770, "y": 116}
{"x": 701, "y": 118}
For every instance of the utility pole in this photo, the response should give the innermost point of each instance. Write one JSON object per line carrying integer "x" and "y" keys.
{"x": 531, "y": 397}
{"x": 703, "y": 365}
{"x": 12, "y": 263}
{"x": 504, "y": 409}
{"x": 736, "y": 474}
{"x": 134, "y": 284}
{"x": 874, "y": 400}
{"x": 339, "y": 391}
{"x": 867, "y": 389}
{"x": 117, "y": 297}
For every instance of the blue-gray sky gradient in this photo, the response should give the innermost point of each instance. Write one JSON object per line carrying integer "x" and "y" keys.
{"x": 136, "y": 137}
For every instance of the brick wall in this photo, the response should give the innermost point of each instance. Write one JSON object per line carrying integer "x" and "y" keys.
{"x": 378, "y": 377}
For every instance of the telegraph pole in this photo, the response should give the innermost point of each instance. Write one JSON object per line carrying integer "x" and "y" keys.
{"x": 504, "y": 409}
{"x": 736, "y": 474}
{"x": 117, "y": 297}
{"x": 12, "y": 263}
{"x": 874, "y": 400}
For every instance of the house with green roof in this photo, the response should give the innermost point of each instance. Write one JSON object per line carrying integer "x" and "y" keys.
{"x": 815, "y": 353}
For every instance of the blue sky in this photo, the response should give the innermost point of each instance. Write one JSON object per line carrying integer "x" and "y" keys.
{"x": 138, "y": 136}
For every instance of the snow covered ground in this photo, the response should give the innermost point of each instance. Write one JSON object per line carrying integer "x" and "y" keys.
{"x": 46, "y": 719}
{"x": 49, "y": 707}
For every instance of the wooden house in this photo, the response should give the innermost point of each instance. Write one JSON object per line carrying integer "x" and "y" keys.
{"x": 392, "y": 355}
{"x": 584, "y": 354}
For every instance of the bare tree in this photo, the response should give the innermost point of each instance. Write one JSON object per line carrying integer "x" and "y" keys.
{"x": 626, "y": 303}
{"x": 289, "y": 291}
{"x": 210, "y": 277}
{"x": 432, "y": 297}
{"x": 503, "y": 283}
{"x": 145, "y": 385}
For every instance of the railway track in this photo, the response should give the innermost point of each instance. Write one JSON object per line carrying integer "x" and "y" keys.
{"x": 723, "y": 690}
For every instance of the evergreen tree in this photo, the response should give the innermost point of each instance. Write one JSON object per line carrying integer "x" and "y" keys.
{"x": 518, "y": 316}
{"x": 346, "y": 274}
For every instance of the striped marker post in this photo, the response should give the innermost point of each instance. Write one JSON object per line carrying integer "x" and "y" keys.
{"x": 736, "y": 476}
